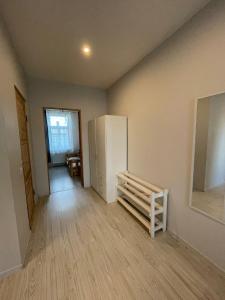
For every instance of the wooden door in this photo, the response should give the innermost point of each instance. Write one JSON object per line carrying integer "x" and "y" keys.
{"x": 25, "y": 154}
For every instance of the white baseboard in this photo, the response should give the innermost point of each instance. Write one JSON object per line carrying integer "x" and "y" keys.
{"x": 10, "y": 271}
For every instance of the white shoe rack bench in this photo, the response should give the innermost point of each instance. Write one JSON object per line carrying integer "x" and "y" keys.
{"x": 147, "y": 202}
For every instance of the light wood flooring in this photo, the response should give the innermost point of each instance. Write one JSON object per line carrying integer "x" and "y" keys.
{"x": 82, "y": 248}
{"x": 60, "y": 179}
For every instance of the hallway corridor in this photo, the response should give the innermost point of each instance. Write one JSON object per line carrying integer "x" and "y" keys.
{"x": 82, "y": 248}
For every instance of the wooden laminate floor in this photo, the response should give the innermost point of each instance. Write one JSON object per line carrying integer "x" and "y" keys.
{"x": 60, "y": 179}
{"x": 82, "y": 248}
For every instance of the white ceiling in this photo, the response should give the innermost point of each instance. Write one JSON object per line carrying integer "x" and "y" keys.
{"x": 48, "y": 34}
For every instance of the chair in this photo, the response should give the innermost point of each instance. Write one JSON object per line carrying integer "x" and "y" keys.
{"x": 73, "y": 163}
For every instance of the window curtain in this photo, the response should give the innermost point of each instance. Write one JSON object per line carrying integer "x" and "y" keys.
{"x": 62, "y": 127}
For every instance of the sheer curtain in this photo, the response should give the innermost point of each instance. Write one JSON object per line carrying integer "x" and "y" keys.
{"x": 62, "y": 134}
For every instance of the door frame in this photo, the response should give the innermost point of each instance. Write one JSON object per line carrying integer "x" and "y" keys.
{"x": 80, "y": 141}
{"x": 17, "y": 91}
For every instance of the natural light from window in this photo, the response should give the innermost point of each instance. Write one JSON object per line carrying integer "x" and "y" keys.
{"x": 58, "y": 121}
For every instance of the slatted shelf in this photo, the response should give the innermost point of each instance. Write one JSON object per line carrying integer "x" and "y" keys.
{"x": 137, "y": 200}
{"x": 136, "y": 192}
{"x": 144, "y": 183}
{"x": 135, "y": 184}
{"x": 140, "y": 197}
{"x": 134, "y": 212}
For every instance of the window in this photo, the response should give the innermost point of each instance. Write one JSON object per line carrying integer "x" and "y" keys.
{"x": 61, "y": 131}
{"x": 58, "y": 121}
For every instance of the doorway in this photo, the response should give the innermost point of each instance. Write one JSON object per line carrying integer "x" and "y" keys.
{"x": 63, "y": 148}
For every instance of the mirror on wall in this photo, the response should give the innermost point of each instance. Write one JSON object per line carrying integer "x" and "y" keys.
{"x": 208, "y": 182}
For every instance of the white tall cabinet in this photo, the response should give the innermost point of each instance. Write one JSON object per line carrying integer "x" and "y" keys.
{"x": 108, "y": 153}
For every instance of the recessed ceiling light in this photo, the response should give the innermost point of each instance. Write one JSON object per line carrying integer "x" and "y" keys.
{"x": 86, "y": 50}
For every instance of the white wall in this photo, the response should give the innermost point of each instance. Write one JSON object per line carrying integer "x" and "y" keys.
{"x": 14, "y": 227}
{"x": 215, "y": 163}
{"x": 9, "y": 243}
{"x": 91, "y": 102}
{"x": 158, "y": 97}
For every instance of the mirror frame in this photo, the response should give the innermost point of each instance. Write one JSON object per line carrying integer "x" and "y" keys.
{"x": 193, "y": 162}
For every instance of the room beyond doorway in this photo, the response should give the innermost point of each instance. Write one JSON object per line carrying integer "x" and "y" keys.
{"x": 63, "y": 148}
{"x": 60, "y": 179}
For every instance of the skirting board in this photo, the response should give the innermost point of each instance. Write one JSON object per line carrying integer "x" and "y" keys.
{"x": 185, "y": 243}
{"x": 10, "y": 271}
